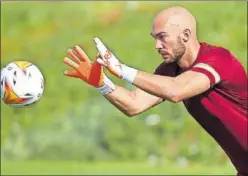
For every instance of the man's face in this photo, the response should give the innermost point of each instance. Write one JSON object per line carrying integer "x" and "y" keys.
{"x": 168, "y": 42}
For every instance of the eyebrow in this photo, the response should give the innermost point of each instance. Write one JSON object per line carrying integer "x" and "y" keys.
{"x": 158, "y": 34}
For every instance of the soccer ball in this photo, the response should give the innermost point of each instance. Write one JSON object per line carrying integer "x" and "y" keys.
{"x": 22, "y": 84}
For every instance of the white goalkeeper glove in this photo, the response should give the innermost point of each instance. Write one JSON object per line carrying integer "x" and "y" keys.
{"x": 115, "y": 67}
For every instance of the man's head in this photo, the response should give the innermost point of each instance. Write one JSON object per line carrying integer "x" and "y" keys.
{"x": 173, "y": 29}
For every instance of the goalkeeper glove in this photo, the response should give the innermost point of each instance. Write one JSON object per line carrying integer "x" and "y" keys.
{"x": 115, "y": 67}
{"x": 90, "y": 72}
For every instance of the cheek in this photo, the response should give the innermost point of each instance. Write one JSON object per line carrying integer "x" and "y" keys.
{"x": 169, "y": 44}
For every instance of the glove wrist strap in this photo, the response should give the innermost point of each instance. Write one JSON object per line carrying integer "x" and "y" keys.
{"x": 108, "y": 86}
{"x": 128, "y": 73}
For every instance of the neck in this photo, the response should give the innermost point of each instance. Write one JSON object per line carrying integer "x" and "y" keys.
{"x": 190, "y": 56}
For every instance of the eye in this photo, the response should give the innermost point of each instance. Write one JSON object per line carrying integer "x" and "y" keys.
{"x": 163, "y": 37}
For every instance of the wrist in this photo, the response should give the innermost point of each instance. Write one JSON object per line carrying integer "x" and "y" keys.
{"x": 107, "y": 87}
{"x": 128, "y": 73}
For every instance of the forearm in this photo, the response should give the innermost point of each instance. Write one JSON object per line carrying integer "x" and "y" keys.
{"x": 161, "y": 86}
{"x": 175, "y": 89}
{"x": 124, "y": 100}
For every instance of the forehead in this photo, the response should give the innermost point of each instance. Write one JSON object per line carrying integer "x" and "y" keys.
{"x": 163, "y": 26}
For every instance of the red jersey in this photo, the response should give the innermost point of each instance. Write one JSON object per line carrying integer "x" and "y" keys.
{"x": 221, "y": 110}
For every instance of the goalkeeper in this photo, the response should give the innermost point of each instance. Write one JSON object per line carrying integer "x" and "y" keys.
{"x": 209, "y": 80}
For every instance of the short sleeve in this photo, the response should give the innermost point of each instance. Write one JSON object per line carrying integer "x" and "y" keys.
{"x": 216, "y": 65}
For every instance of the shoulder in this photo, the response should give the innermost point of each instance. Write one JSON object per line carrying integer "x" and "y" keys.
{"x": 218, "y": 62}
{"x": 214, "y": 54}
{"x": 166, "y": 69}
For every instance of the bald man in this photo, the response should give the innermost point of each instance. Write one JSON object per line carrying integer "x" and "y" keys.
{"x": 209, "y": 80}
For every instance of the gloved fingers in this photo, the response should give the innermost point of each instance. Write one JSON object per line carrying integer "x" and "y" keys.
{"x": 102, "y": 49}
{"x": 73, "y": 55}
{"x": 82, "y": 55}
{"x": 73, "y": 73}
{"x": 71, "y": 63}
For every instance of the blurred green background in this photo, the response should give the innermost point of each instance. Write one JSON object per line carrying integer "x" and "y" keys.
{"x": 73, "y": 129}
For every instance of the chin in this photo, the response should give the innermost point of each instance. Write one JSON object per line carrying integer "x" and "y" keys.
{"x": 167, "y": 59}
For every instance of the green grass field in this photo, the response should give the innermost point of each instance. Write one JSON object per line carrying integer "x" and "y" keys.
{"x": 71, "y": 112}
{"x": 60, "y": 167}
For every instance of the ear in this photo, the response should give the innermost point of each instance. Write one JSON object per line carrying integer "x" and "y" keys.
{"x": 186, "y": 35}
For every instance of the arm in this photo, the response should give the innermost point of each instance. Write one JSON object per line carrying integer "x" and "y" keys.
{"x": 132, "y": 102}
{"x": 173, "y": 89}
{"x": 129, "y": 102}
{"x": 213, "y": 68}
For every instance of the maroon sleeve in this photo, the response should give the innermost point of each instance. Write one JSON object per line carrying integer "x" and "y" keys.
{"x": 207, "y": 73}
{"x": 219, "y": 64}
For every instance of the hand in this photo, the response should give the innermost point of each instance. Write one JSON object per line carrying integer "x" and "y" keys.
{"x": 108, "y": 59}
{"x": 90, "y": 72}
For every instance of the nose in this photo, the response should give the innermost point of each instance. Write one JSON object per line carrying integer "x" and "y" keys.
{"x": 158, "y": 44}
